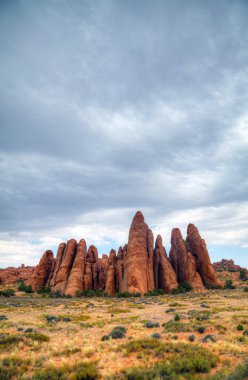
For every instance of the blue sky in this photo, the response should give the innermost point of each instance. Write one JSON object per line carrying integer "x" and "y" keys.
{"x": 109, "y": 107}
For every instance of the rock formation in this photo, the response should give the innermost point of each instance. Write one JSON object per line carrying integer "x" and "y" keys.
{"x": 136, "y": 260}
{"x": 10, "y": 275}
{"x": 75, "y": 281}
{"x": 227, "y": 266}
{"x": 110, "y": 287}
{"x": 65, "y": 266}
{"x": 184, "y": 262}
{"x": 197, "y": 246}
{"x": 42, "y": 271}
{"x": 165, "y": 276}
{"x": 102, "y": 268}
{"x": 120, "y": 268}
{"x": 60, "y": 254}
{"x": 139, "y": 267}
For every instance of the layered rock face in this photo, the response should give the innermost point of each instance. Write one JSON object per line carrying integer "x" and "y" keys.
{"x": 197, "y": 247}
{"x": 139, "y": 267}
{"x": 184, "y": 262}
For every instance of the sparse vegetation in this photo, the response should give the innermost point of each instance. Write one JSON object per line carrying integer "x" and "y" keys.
{"x": 151, "y": 325}
{"x": 155, "y": 292}
{"x": 191, "y": 338}
{"x": 91, "y": 293}
{"x": 25, "y": 288}
{"x": 183, "y": 287}
{"x": 240, "y": 327}
{"x": 37, "y": 336}
{"x": 177, "y": 318}
{"x": 229, "y": 285}
{"x": 155, "y": 336}
{"x": 38, "y": 330}
{"x": 201, "y": 329}
{"x": 127, "y": 295}
{"x": 79, "y": 371}
{"x": 243, "y": 275}
{"x": 7, "y": 292}
{"x": 175, "y": 359}
{"x": 118, "y": 332}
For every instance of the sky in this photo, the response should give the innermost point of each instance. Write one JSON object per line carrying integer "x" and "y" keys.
{"x": 110, "y": 106}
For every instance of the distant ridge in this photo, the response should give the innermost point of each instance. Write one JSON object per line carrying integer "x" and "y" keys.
{"x": 227, "y": 266}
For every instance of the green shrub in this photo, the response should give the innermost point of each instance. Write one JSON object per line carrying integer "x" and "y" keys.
{"x": 12, "y": 367}
{"x": 7, "y": 340}
{"x": 3, "y": 318}
{"x": 150, "y": 324}
{"x": 239, "y": 373}
{"x": 183, "y": 359}
{"x": 155, "y": 292}
{"x": 127, "y": 294}
{"x": 37, "y": 336}
{"x": 7, "y": 293}
{"x": 79, "y": 371}
{"x": 91, "y": 293}
{"x": 209, "y": 338}
{"x": 212, "y": 286}
{"x": 55, "y": 319}
{"x": 177, "y": 318}
{"x": 24, "y": 288}
{"x": 183, "y": 287}
{"x": 44, "y": 291}
{"x": 201, "y": 329}
{"x": 205, "y": 305}
{"x": 243, "y": 275}
{"x": 229, "y": 285}
{"x": 52, "y": 318}
{"x": 175, "y": 327}
{"x": 55, "y": 295}
{"x": 105, "y": 337}
{"x": 118, "y": 332}
{"x": 191, "y": 338}
{"x": 246, "y": 289}
{"x": 155, "y": 336}
{"x": 240, "y": 327}
{"x": 169, "y": 311}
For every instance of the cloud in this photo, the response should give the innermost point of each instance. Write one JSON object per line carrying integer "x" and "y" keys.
{"x": 109, "y": 107}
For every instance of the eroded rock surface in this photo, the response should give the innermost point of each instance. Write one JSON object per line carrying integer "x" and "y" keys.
{"x": 42, "y": 271}
{"x": 165, "y": 276}
{"x": 139, "y": 267}
{"x": 184, "y": 262}
{"x": 197, "y": 246}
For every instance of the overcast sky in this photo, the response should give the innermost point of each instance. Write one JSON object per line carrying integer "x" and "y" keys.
{"x": 112, "y": 106}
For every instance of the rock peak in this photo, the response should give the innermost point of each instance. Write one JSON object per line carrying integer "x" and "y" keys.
{"x": 139, "y": 267}
{"x": 139, "y": 215}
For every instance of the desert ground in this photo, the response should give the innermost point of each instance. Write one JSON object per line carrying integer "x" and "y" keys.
{"x": 182, "y": 336}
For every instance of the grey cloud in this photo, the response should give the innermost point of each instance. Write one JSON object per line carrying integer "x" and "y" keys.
{"x": 120, "y": 105}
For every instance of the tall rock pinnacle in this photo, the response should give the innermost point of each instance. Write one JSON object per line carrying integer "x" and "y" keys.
{"x": 197, "y": 247}
{"x": 137, "y": 273}
{"x": 139, "y": 267}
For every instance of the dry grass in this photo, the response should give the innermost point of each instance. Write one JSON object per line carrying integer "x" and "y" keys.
{"x": 78, "y": 340}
